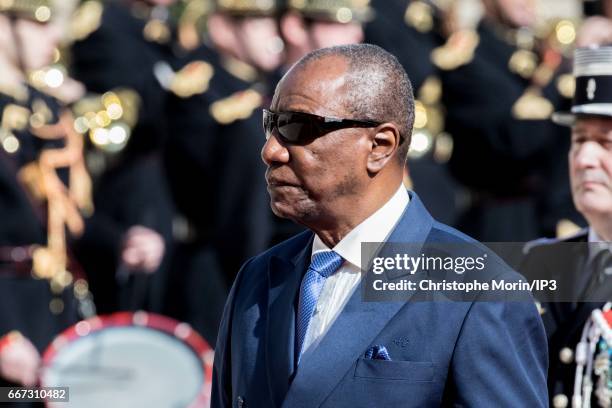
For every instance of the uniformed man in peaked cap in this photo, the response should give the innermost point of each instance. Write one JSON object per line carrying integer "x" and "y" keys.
{"x": 501, "y": 83}
{"x": 116, "y": 47}
{"x": 213, "y": 158}
{"x": 39, "y": 155}
{"x": 582, "y": 263}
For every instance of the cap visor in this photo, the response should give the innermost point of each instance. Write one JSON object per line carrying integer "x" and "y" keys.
{"x": 564, "y": 118}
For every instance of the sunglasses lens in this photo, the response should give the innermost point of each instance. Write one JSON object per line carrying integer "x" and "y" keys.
{"x": 293, "y": 128}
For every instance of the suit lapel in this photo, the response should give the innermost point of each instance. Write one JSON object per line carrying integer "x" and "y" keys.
{"x": 284, "y": 278}
{"x": 359, "y": 323}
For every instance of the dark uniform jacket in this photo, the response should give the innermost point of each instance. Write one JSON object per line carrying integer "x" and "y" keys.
{"x": 514, "y": 167}
{"x": 26, "y": 302}
{"x": 130, "y": 187}
{"x": 409, "y": 29}
{"x": 565, "y": 261}
{"x": 218, "y": 185}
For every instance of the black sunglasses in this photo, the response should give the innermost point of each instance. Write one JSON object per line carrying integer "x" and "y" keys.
{"x": 300, "y": 127}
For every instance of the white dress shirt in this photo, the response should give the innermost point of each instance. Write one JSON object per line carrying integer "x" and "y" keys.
{"x": 339, "y": 287}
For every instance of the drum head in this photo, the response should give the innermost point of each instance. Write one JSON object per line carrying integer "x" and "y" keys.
{"x": 130, "y": 360}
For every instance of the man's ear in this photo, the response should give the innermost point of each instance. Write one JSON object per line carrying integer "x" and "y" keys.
{"x": 293, "y": 29}
{"x": 385, "y": 142}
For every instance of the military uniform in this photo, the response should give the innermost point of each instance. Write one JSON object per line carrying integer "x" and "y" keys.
{"x": 218, "y": 184}
{"x": 116, "y": 48}
{"x": 499, "y": 96}
{"x": 38, "y": 298}
{"x": 583, "y": 271}
{"x": 417, "y": 23}
{"x": 568, "y": 261}
{"x": 28, "y": 304}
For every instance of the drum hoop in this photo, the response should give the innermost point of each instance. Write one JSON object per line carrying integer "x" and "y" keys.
{"x": 164, "y": 324}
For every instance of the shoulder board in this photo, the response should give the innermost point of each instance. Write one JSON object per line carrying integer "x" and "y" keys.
{"x": 86, "y": 19}
{"x": 532, "y": 106}
{"x": 566, "y": 85}
{"x": 193, "y": 79}
{"x": 458, "y": 50}
{"x": 239, "y": 105}
{"x": 550, "y": 241}
{"x": 419, "y": 15}
{"x": 568, "y": 230}
{"x": 538, "y": 242}
{"x": 431, "y": 90}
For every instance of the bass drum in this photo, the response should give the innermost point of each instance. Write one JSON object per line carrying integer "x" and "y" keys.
{"x": 130, "y": 360}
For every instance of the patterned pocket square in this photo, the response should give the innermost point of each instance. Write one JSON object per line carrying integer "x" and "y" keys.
{"x": 377, "y": 353}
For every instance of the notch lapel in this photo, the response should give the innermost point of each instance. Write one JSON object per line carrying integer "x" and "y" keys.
{"x": 359, "y": 323}
{"x": 284, "y": 278}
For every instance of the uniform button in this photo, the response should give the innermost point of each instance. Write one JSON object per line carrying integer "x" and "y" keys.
{"x": 566, "y": 355}
{"x": 560, "y": 401}
{"x": 240, "y": 401}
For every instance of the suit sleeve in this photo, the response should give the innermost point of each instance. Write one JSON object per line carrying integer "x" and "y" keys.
{"x": 222, "y": 371}
{"x": 501, "y": 357}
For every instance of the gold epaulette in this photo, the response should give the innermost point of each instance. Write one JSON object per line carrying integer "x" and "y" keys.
{"x": 566, "y": 228}
{"x": 532, "y": 106}
{"x": 458, "y": 50}
{"x": 85, "y": 20}
{"x": 193, "y": 79}
{"x": 431, "y": 90}
{"x": 239, "y": 105}
{"x": 428, "y": 131}
{"x": 566, "y": 85}
{"x": 108, "y": 119}
{"x": 523, "y": 63}
{"x": 419, "y": 15}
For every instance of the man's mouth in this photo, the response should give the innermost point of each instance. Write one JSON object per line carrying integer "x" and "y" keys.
{"x": 278, "y": 182}
{"x": 277, "y": 185}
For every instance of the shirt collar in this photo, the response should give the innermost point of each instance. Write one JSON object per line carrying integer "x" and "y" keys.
{"x": 596, "y": 244}
{"x": 376, "y": 228}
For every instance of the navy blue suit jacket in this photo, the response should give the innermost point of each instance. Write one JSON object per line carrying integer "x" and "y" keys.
{"x": 477, "y": 354}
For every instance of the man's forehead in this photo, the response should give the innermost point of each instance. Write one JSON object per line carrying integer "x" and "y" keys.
{"x": 593, "y": 123}
{"x": 317, "y": 87}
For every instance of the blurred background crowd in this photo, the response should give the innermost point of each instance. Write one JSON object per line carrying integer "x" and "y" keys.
{"x": 130, "y": 137}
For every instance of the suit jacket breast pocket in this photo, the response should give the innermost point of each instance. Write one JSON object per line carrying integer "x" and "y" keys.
{"x": 411, "y": 371}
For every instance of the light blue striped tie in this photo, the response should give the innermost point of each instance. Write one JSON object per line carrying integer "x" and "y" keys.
{"x": 322, "y": 265}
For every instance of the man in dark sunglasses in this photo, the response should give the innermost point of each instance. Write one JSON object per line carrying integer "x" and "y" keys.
{"x": 296, "y": 330}
{"x": 301, "y": 127}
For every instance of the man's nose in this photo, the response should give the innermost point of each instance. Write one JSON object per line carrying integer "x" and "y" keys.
{"x": 587, "y": 155}
{"x": 274, "y": 152}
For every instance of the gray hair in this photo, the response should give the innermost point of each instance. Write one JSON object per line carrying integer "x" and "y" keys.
{"x": 378, "y": 87}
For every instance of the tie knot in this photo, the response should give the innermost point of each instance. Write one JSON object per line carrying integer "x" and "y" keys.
{"x": 325, "y": 262}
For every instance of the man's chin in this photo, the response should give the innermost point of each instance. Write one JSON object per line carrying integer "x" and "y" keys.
{"x": 283, "y": 209}
{"x": 591, "y": 203}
